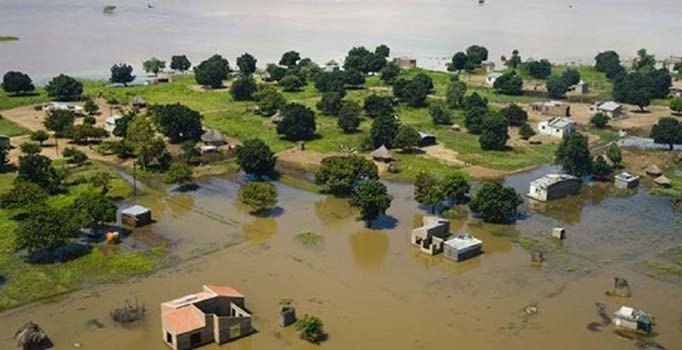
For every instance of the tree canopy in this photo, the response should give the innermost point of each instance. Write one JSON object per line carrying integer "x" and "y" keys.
{"x": 17, "y": 83}
{"x": 383, "y": 131}
{"x": 349, "y": 117}
{"x": 440, "y": 115}
{"x": 413, "y": 92}
{"x": 93, "y": 209}
{"x": 259, "y": 196}
{"x": 541, "y": 69}
{"x": 178, "y": 173}
{"x": 64, "y": 88}
{"x": 291, "y": 83}
{"x": 45, "y": 229}
{"x": 122, "y": 74}
{"x": 365, "y": 61}
{"x": 634, "y": 88}
{"x": 180, "y": 63}
{"x": 407, "y": 138}
{"x": 178, "y": 122}
{"x": 390, "y": 72}
{"x": 429, "y": 190}
{"x": 454, "y": 95}
{"x": 60, "y": 121}
{"x": 255, "y": 157}
{"x": 556, "y": 87}
{"x": 243, "y": 88}
{"x": 372, "y": 199}
{"x": 494, "y": 133}
{"x": 330, "y": 103}
{"x": 515, "y": 115}
{"x": 275, "y": 72}
{"x": 269, "y": 100}
{"x": 339, "y": 174}
{"x": 509, "y": 83}
{"x": 496, "y": 203}
{"x": 573, "y": 155}
{"x": 289, "y": 59}
{"x": 212, "y": 71}
{"x": 246, "y": 64}
{"x": 667, "y": 131}
{"x": 23, "y": 194}
{"x": 298, "y": 123}
{"x": 377, "y": 106}
{"x": 153, "y": 65}
{"x": 38, "y": 169}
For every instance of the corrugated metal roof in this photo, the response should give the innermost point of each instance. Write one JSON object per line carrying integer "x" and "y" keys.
{"x": 135, "y": 210}
{"x": 609, "y": 106}
{"x": 551, "y": 179}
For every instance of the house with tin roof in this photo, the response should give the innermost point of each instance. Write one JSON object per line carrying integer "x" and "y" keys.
{"x": 557, "y": 127}
{"x": 612, "y": 109}
{"x": 554, "y": 186}
{"x": 217, "y": 314}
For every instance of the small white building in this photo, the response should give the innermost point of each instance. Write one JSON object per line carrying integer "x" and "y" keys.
{"x": 557, "y": 127}
{"x": 110, "y": 123}
{"x": 580, "y": 88}
{"x": 63, "y": 106}
{"x": 492, "y": 77}
{"x": 612, "y": 109}
{"x": 626, "y": 181}
{"x": 462, "y": 247}
{"x": 636, "y": 320}
{"x": 554, "y": 186}
{"x": 332, "y": 66}
{"x": 430, "y": 236}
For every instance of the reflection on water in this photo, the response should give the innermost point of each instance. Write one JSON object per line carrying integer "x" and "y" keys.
{"x": 180, "y": 203}
{"x": 369, "y": 248}
{"x": 333, "y": 211}
{"x": 260, "y": 229}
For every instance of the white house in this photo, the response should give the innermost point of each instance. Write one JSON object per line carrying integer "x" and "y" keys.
{"x": 492, "y": 77}
{"x": 110, "y": 123}
{"x": 332, "y": 66}
{"x": 612, "y": 109}
{"x": 554, "y": 186}
{"x": 556, "y": 127}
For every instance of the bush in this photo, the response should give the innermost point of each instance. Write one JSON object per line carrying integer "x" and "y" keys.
{"x": 349, "y": 117}
{"x": 311, "y": 328}
{"x": 74, "y": 156}
{"x": 255, "y": 157}
{"x": 259, "y": 196}
{"x": 40, "y": 136}
{"x": 515, "y": 115}
{"x": 526, "y": 131}
{"x": 243, "y": 89}
{"x": 676, "y": 105}
{"x": 600, "y": 120}
{"x": 291, "y": 83}
{"x": 23, "y": 194}
{"x": 331, "y": 103}
{"x": 298, "y": 123}
{"x": 440, "y": 115}
{"x": 269, "y": 101}
{"x": 178, "y": 173}
{"x": 30, "y": 148}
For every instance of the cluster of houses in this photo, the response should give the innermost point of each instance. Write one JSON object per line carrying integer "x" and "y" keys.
{"x": 560, "y": 124}
{"x": 434, "y": 237}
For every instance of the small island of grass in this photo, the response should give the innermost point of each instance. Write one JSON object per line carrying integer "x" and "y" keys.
{"x": 4, "y": 38}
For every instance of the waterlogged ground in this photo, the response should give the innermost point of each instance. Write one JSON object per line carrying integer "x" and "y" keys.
{"x": 373, "y": 290}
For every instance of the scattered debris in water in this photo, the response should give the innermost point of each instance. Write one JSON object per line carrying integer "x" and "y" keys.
{"x": 537, "y": 257}
{"x": 605, "y": 319}
{"x": 94, "y": 324}
{"x": 636, "y": 320}
{"x": 648, "y": 345}
{"x": 621, "y": 288}
{"x": 531, "y": 310}
{"x": 31, "y": 337}
{"x": 128, "y": 313}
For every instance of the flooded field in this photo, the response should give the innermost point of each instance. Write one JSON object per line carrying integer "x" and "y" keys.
{"x": 373, "y": 290}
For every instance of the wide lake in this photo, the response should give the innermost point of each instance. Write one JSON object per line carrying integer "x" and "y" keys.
{"x": 76, "y": 37}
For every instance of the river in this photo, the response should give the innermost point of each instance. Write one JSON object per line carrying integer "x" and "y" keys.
{"x": 76, "y": 37}
{"x": 373, "y": 290}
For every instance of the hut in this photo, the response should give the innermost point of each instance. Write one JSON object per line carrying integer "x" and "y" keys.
{"x": 136, "y": 216}
{"x": 382, "y": 154}
{"x": 212, "y": 137}
{"x": 332, "y": 66}
{"x": 5, "y": 141}
{"x": 559, "y": 233}
{"x": 138, "y": 102}
{"x": 557, "y": 127}
{"x": 426, "y": 139}
{"x": 462, "y": 247}
{"x": 663, "y": 181}
{"x": 431, "y": 235}
{"x": 31, "y": 336}
{"x": 276, "y": 118}
{"x": 554, "y": 186}
{"x": 653, "y": 170}
{"x": 626, "y": 181}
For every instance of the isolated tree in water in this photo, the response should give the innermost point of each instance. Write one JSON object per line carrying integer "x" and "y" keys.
{"x": 456, "y": 186}
{"x": 255, "y": 157}
{"x": 259, "y": 196}
{"x": 17, "y": 83}
{"x": 178, "y": 173}
{"x": 515, "y": 115}
{"x": 496, "y": 203}
{"x": 428, "y": 190}
{"x": 573, "y": 155}
{"x": 122, "y": 74}
{"x": 372, "y": 199}
{"x": 341, "y": 173}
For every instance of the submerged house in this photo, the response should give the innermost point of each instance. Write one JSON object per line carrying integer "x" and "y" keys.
{"x": 557, "y": 127}
{"x": 554, "y": 186}
{"x": 626, "y": 181}
{"x": 612, "y": 109}
{"x": 552, "y": 108}
{"x": 636, "y": 320}
{"x": 136, "y": 216}
{"x": 431, "y": 235}
{"x": 214, "y": 315}
{"x": 462, "y": 247}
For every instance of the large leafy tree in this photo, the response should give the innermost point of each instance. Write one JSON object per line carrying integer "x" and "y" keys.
{"x": 515, "y": 115}
{"x": 153, "y": 65}
{"x": 212, "y": 71}
{"x": 298, "y": 122}
{"x": 331, "y": 81}
{"x": 365, "y": 61}
{"x": 573, "y": 155}
{"x": 178, "y": 122}
{"x": 509, "y": 83}
{"x": 349, "y": 117}
{"x": 614, "y": 154}
{"x": 60, "y": 121}
{"x": 259, "y": 196}
{"x": 372, "y": 199}
{"x": 64, "y": 88}
{"x": 243, "y": 88}
{"x": 541, "y": 69}
{"x": 275, "y": 72}
{"x": 454, "y": 95}
{"x": 570, "y": 76}
{"x": 331, "y": 103}
{"x": 458, "y": 62}
{"x": 440, "y": 115}
{"x": 45, "y": 229}
{"x": 514, "y": 61}
{"x": 414, "y": 91}
{"x": 180, "y": 63}
{"x": 456, "y": 186}
{"x": 407, "y": 138}
{"x": 17, "y": 83}
{"x": 494, "y": 132}
{"x": 291, "y": 83}
{"x": 634, "y": 88}
{"x": 377, "y": 106}
{"x": 606, "y": 61}
{"x": 473, "y": 119}
{"x": 23, "y": 194}
{"x": 390, "y": 72}
{"x": 255, "y": 157}
{"x": 94, "y": 209}
{"x": 122, "y": 74}
{"x": 246, "y": 64}
{"x": 339, "y": 174}
{"x": 660, "y": 81}
{"x": 476, "y": 54}
{"x": 38, "y": 169}
{"x": 676, "y": 105}
{"x": 667, "y": 131}
{"x": 429, "y": 190}
{"x": 269, "y": 101}
{"x": 289, "y": 59}
{"x": 383, "y": 131}
{"x": 556, "y": 87}
{"x": 474, "y": 100}
{"x": 496, "y": 203}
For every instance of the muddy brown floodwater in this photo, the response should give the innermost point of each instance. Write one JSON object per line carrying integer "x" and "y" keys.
{"x": 373, "y": 290}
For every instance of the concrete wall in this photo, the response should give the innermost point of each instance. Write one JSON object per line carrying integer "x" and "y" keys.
{"x": 563, "y": 189}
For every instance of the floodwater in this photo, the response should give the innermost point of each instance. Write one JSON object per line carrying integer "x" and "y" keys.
{"x": 373, "y": 290}
{"x": 76, "y": 37}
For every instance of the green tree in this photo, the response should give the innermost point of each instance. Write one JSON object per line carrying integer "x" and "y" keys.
{"x": 514, "y": 61}
{"x": 331, "y": 81}
{"x": 429, "y": 190}
{"x": 93, "y": 209}
{"x": 407, "y": 138}
{"x": 23, "y": 194}
{"x": 298, "y": 123}
{"x": 372, "y": 199}
{"x": 676, "y": 105}
{"x": 440, "y": 115}
{"x": 255, "y": 157}
{"x": 541, "y": 69}
{"x": 101, "y": 180}
{"x": 600, "y": 168}
{"x": 275, "y": 72}
{"x": 153, "y": 65}
{"x": 212, "y": 71}
{"x": 259, "y": 196}
{"x": 456, "y": 186}
{"x": 74, "y": 156}
{"x": 413, "y": 92}
{"x": 383, "y": 131}
{"x": 246, "y": 64}
{"x": 614, "y": 154}
{"x": 494, "y": 133}
{"x": 122, "y": 74}
{"x": 635, "y": 88}
{"x": 82, "y": 134}
{"x": 390, "y": 72}
{"x": 39, "y": 170}
{"x": 311, "y": 328}
{"x": 289, "y": 59}
{"x": 660, "y": 81}
{"x": 121, "y": 125}
{"x": 178, "y": 122}
{"x": 515, "y": 115}
{"x": 291, "y": 83}
{"x": 526, "y": 131}
{"x": 600, "y": 120}
{"x": 90, "y": 107}
{"x": 556, "y": 87}
{"x": 243, "y": 88}
{"x": 349, "y": 117}
{"x": 473, "y": 101}
{"x": 269, "y": 101}
{"x": 496, "y": 203}
{"x": 477, "y": 54}
{"x": 339, "y": 174}
{"x": 570, "y": 76}
{"x": 40, "y": 136}
{"x": 645, "y": 62}
{"x": 376, "y": 106}
{"x": 509, "y": 83}
{"x": 473, "y": 119}
{"x": 60, "y": 121}
{"x": 178, "y": 173}
{"x": 573, "y": 155}
{"x": 180, "y": 63}
{"x": 331, "y": 103}
{"x": 606, "y": 61}
{"x": 46, "y": 229}
{"x": 17, "y": 83}
{"x": 30, "y": 148}
{"x": 458, "y": 62}
{"x": 383, "y": 51}
{"x": 667, "y": 131}
{"x": 64, "y": 88}
{"x": 454, "y": 95}
{"x": 354, "y": 78}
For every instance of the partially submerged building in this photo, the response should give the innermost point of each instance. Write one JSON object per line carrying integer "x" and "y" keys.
{"x": 636, "y": 320}
{"x": 431, "y": 235}
{"x": 214, "y": 315}
{"x": 557, "y": 127}
{"x": 462, "y": 247}
{"x": 136, "y": 216}
{"x": 552, "y": 108}
{"x": 554, "y": 186}
{"x": 626, "y": 181}
{"x": 406, "y": 62}
{"x": 612, "y": 109}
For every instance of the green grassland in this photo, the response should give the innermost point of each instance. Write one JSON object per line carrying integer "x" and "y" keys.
{"x": 27, "y": 282}
{"x": 8, "y": 38}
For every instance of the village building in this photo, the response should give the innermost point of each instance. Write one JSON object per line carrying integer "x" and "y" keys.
{"x": 462, "y": 247}
{"x": 136, "y": 216}
{"x": 276, "y": 118}
{"x": 492, "y": 77}
{"x": 426, "y": 139}
{"x": 5, "y": 141}
{"x": 110, "y": 123}
{"x": 626, "y": 181}
{"x": 431, "y": 235}
{"x": 636, "y": 320}
{"x": 653, "y": 170}
{"x": 382, "y": 154}
{"x": 213, "y": 137}
{"x": 554, "y": 186}
{"x": 332, "y": 66}
{"x": 675, "y": 91}
{"x": 138, "y": 102}
{"x": 406, "y": 62}
{"x": 557, "y": 127}
{"x": 580, "y": 88}
{"x": 215, "y": 315}
{"x": 552, "y": 108}
{"x": 162, "y": 78}
{"x": 612, "y": 109}
{"x": 62, "y": 106}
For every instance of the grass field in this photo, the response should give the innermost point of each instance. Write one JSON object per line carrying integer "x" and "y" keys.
{"x": 30, "y": 282}
{"x": 12, "y": 101}
{"x": 11, "y": 129}
{"x": 8, "y": 38}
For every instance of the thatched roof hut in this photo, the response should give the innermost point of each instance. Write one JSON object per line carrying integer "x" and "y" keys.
{"x": 663, "y": 181}
{"x": 213, "y": 137}
{"x": 382, "y": 154}
{"x": 653, "y": 170}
